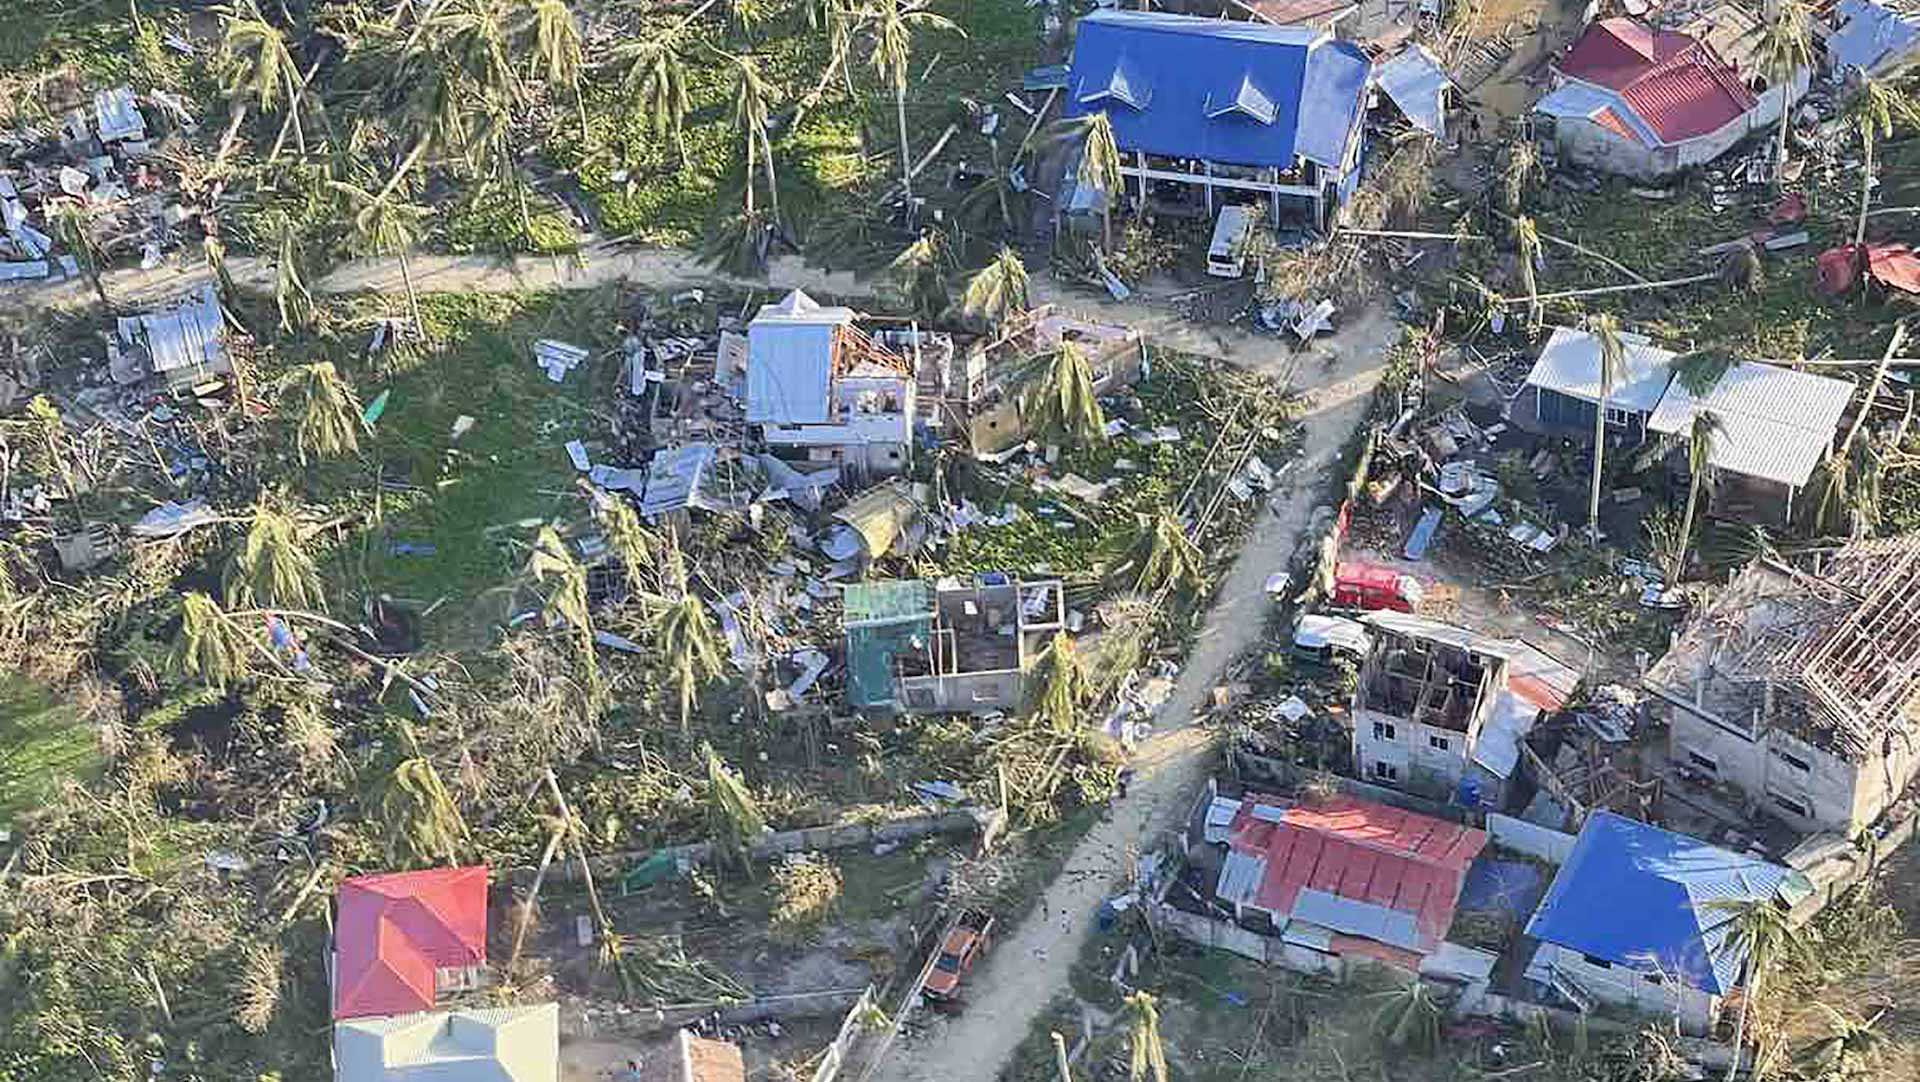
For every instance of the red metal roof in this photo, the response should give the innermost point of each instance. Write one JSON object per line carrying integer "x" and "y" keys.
{"x": 1361, "y": 851}
{"x": 1615, "y": 52}
{"x": 1677, "y": 85}
{"x": 1894, "y": 265}
{"x": 395, "y": 930}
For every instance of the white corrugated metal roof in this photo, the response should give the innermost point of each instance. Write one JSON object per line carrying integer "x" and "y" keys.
{"x": 189, "y": 336}
{"x": 1220, "y": 815}
{"x": 1416, "y": 82}
{"x": 1776, "y": 424}
{"x": 501, "y": 1044}
{"x": 1582, "y": 101}
{"x": 116, "y": 115}
{"x": 1570, "y": 365}
{"x": 1420, "y": 627}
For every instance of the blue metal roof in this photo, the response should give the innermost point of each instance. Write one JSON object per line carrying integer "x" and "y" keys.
{"x": 1231, "y": 92}
{"x": 1640, "y": 896}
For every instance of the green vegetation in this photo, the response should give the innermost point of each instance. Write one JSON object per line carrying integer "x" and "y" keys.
{"x": 43, "y": 744}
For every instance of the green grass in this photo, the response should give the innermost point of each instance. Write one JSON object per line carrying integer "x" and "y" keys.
{"x": 470, "y": 498}
{"x": 42, "y": 743}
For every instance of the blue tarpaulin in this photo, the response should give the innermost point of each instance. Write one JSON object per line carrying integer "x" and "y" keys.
{"x": 1230, "y": 92}
{"x": 1637, "y": 895}
{"x": 1502, "y": 886}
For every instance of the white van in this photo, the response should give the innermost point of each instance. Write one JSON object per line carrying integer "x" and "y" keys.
{"x": 1232, "y": 236}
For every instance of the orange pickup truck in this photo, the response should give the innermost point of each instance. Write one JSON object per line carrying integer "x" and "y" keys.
{"x": 966, "y": 941}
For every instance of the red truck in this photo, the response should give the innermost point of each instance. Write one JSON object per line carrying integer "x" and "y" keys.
{"x": 1358, "y": 585}
{"x": 967, "y": 939}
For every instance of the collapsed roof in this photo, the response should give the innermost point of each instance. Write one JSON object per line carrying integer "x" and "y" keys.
{"x": 1830, "y": 651}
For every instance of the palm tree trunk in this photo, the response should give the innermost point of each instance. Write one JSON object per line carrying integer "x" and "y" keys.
{"x": 999, "y": 185}
{"x": 1747, "y": 995}
{"x": 413, "y": 299}
{"x": 1786, "y": 114}
{"x": 533, "y": 896}
{"x": 1599, "y": 452}
{"x": 580, "y": 103}
{"x": 900, "y": 112}
{"x": 1686, "y": 531}
{"x": 750, "y": 165}
{"x": 580, "y": 854}
{"x": 1873, "y": 388}
{"x": 1866, "y": 191}
{"x": 766, "y": 166}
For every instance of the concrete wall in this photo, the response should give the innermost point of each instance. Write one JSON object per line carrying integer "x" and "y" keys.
{"x": 1420, "y": 765}
{"x": 965, "y": 693}
{"x": 1536, "y": 841}
{"x": 1624, "y": 986}
{"x": 1227, "y": 936}
{"x": 1803, "y": 786}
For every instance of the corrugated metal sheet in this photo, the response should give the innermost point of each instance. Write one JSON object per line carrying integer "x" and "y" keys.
{"x": 1453, "y": 961}
{"x": 1498, "y": 746}
{"x": 1873, "y": 37}
{"x": 1689, "y": 99}
{"x": 1168, "y": 82}
{"x": 1614, "y": 52}
{"x": 1240, "y": 878}
{"x": 499, "y": 1044}
{"x": 1354, "y": 917}
{"x": 190, "y": 336}
{"x": 395, "y": 930}
{"x": 1640, "y": 896}
{"x": 673, "y": 477}
{"x": 1570, "y": 365}
{"x": 1421, "y": 627}
{"x": 1417, "y": 83}
{"x": 1776, "y": 424}
{"x": 1578, "y": 101}
{"x": 1220, "y": 815}
{"x": 116, "y": 115}
{"x": 790, "y": 354}
{"x": 1360, "y": 851}
{"x": 887, "y": 601}
{"x": 1669, "y": 87}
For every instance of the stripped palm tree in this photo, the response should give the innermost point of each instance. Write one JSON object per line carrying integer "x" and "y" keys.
{"x": 1099, "y": 164}
{"x": 259, "y": 66}
{"x": 894, "y": 22}
{"x": 733, "y": 815}
{"x": 1706, "y": 428}
{"x": 1162, "y": 556}
{"x": 1060, "y": 402}
{"x": 272, "y": 567}
{"x": 656, "y": 84}
{"x": 471, "y": 37}
{"x": 1526, "y": 243}
{"x": 1612, "y": 368}
{"x": 384, "y": 224}
{"x": 1146, "y": 1055}
{"x": 558, "y": 56}
{"x": 73, "y": 228}
{"x": 691, "y": 647}
{"x": 325, "y": 412}
{"x": 1409, "y": 1018}
{"x": 1523, "y": 167}
{"x": 998, "y": 291}
{"x": 551, "y": 562}
{"x": 836, "y": 21}
{"x": 209, "y": 646}
{"x": 751, "y": 97}
{"x": 1872, "y": 109}
{"x": 419, "y": 819}
{"x": 1784, "y": 48}
{"x": 1061, "y": 684}
{"x": 919, "y": 274}
{"x": 1756, "y": 934}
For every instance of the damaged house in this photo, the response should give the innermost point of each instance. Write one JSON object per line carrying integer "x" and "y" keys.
{"x": 1562, "y": 391}
{"x": 1881, "y": 40}
{"x": 1344, "y": 877}
{"x": 820, "y": 391}
{"x": 1208, "y": 111}
{"x": 1775, "y": 427}
{"x": 183, "y": 345}
{"x": 1798, "y": 688}
{"x": 997, "y": 371}
{"x": 1638, "y": 917}
{"x": 952, "y": 647}
{"x": 1441, "y": 710}
{"x": 1645, "y": 102}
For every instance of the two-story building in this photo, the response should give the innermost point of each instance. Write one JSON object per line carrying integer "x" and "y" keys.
{"x": 1441, "y": 710}
{"x": 1798, "y": 686}
{"x": 1211, "y": 110}
{"x": 820, "y": 390}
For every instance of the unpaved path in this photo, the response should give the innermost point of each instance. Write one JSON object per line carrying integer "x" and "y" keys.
{"x": 1029, "y": 967}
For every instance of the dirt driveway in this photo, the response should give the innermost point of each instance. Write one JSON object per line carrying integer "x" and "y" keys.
{"x": 1030, "y": 966}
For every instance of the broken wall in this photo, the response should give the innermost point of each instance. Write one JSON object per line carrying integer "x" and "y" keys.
{"x": 1624, "y": 986}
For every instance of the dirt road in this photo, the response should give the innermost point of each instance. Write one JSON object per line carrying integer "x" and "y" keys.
{"x": 1030, "y": 966}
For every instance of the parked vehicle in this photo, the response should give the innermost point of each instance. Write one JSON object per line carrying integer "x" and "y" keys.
{"x": 1322, "y": 638}
{"x": 1232, "y": 237}
{"x": 969, "y": 938}
{"x": 1368, "y": 586}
